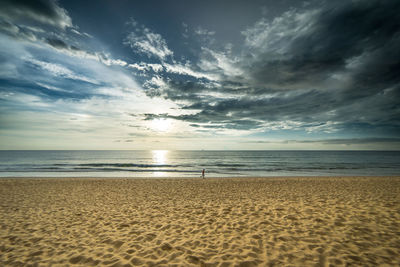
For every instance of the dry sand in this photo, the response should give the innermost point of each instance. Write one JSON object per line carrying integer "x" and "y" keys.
{"x": 191, "y": 222}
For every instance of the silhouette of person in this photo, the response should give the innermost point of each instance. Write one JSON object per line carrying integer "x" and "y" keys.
{"x": 202, "y": 173}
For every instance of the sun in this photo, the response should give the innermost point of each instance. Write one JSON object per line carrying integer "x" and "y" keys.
{"x": 161, "y": 125}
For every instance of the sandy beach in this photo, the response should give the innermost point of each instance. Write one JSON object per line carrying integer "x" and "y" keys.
{"x": 319, "y": 221}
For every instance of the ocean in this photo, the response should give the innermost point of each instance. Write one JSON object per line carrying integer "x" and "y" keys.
{"x": 163, "y": 163}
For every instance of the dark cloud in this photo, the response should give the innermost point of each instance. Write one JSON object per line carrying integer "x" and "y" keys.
{"x": 336, "y": 64}
{"x": 16, "y": 32}
{"x": 74, "y": 48}
{"x": 361, "y": 140}
{"x": 61, "y": 45}
{"x": 335, "y": 35}
{"x": 43, "y": 11}
{"x": 296, "y": 106}
{"x": 9, "y": 28}
{"x": 179, "y": 90}
{"x": 236, "y": 124}
{"x": 57, "y": 43}
{"x": 343, "y": 141}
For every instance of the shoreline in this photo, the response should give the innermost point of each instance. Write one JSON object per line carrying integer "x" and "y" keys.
{"x": 238, "y": 221}
{"x": 199, "y": 178}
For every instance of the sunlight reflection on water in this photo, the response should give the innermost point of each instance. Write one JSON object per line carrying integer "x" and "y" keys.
{"x": 159, "y": 158}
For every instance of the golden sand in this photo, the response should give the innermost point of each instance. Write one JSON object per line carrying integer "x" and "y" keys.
{"x": 194, "y": 222}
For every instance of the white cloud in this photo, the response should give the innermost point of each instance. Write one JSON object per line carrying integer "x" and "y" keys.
{"x": 102, "y": 57}
{"x": 219, "y": 62}
{"x": 50, "y": 87}
{"x": 156, "y": 67}
{"x": 144, "y": 41}
{"x": 60, "y": 71}
{"x": 80, "y": 33}
{"x": 185, "y": 33}
{"x": 142, "y": 66}
{"x": 276, "y": 35}
{"x": 327, "y": 127}
{"x": 108, "y": 61}
{"x": 155, "y": 81}
{"x": 186, "y": 70}
{"x": 202, "y": 31}
{"x": 26, "y": 100}
{"x": 175, "y": 68}
{"x": 36, "y": 37}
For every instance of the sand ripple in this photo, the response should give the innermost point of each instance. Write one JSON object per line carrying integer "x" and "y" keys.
{"x": 189, "y": 222}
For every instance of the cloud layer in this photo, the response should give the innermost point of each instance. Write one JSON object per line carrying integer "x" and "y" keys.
{"x": 310, "y": 73}
{"x": 328, "y": 68}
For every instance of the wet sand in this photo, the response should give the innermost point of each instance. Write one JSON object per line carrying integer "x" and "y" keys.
{"x": 317, "y": 221}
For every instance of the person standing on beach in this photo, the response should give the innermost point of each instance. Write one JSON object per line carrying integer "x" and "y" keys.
{"x": 202, "y": 173}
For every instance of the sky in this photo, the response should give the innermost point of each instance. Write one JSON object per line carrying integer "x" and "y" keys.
{"x": 212, "y": 75}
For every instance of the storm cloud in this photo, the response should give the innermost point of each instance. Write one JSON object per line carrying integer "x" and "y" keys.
{"x": 335, "y": 64}
{"x": 42, "y": 11}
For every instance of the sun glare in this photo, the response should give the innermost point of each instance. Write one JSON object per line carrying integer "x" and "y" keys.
{"x": 159, "y": 158}
{"x": 161, "y": 125}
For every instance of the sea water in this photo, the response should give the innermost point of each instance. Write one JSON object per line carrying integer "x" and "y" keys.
{"x": 163, "y": 163}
